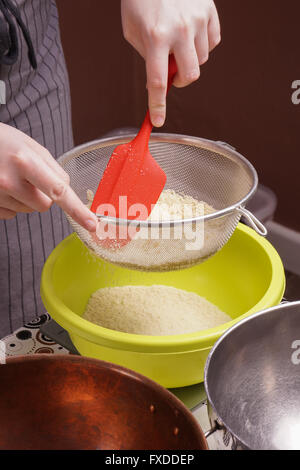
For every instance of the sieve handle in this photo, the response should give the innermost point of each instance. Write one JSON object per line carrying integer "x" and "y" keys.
{"x": 253, "y": 221}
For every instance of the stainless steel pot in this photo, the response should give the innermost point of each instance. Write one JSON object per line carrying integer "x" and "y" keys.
{"x": 252, "y": 381}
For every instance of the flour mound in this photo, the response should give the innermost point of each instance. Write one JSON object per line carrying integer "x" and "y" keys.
{"x": 152, "y": 310}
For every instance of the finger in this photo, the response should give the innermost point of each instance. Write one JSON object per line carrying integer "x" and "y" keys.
{"x": 8, "y": 202}
{"x": 202, "y": 46}
{"x": 48, "y": 158}
{"x": 47, "y": 181}
{"x": 214, "y": 29}
{"x": 43, "y": 153}
{"x": 30, "y": 196}
{"x": 187, "y": 64}
{"x": 40, "y": 152}
{"x": 6, "y": 214}
{"x": 157, "y": 80}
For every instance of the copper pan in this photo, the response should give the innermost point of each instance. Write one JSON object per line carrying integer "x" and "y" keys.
{"x": 70, "y": 402}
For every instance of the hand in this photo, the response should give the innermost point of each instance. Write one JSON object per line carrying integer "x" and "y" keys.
{"x": 31, "y": 180}
{"x": 156, "y": 28}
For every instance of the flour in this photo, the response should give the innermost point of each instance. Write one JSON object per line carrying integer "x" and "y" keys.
{"x": 166, "y": 248}
{"x": 152, "y": 310}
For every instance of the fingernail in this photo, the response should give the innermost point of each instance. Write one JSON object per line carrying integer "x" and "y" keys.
{"x": 90, "y": 225}
{"x": 158, "y": 121}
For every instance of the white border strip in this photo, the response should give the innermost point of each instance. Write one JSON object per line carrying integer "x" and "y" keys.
{"x": 2, "y": 352}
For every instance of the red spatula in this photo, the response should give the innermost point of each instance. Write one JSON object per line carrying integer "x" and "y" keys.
{"x": 132, "y": 172}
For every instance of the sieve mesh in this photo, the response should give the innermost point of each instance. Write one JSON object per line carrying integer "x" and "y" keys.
{"x": 205, "y": 170}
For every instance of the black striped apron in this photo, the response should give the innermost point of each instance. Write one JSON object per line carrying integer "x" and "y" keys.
{"x": 38, "y": 103}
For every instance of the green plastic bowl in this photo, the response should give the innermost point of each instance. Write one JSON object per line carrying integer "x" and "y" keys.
{"x": 246, "y": 276}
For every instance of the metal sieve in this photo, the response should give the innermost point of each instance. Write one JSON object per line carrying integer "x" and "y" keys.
{"x": 208, "y": 171}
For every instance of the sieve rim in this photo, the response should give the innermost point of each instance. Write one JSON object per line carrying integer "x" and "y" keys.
{"x": 211, "y": 145}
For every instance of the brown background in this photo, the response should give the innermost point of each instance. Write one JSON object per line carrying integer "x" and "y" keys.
{"x": 243, "y": 96}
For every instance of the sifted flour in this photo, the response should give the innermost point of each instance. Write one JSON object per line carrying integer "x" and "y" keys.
{"x": 152, "y": 310}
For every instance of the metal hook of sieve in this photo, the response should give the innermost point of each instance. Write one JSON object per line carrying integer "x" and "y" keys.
{"x": 253, "y": 221}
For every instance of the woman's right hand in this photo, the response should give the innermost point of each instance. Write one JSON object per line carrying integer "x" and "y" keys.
{"x": 31, "y": 180}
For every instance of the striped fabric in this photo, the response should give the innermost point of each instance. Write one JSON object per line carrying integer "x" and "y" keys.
{"x": 38, "y": 103}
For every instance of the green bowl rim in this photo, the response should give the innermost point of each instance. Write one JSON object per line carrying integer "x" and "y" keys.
{"x": 189, "y": 342}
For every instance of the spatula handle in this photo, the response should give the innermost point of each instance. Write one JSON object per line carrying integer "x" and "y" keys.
{"x": 172, "y": 71}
